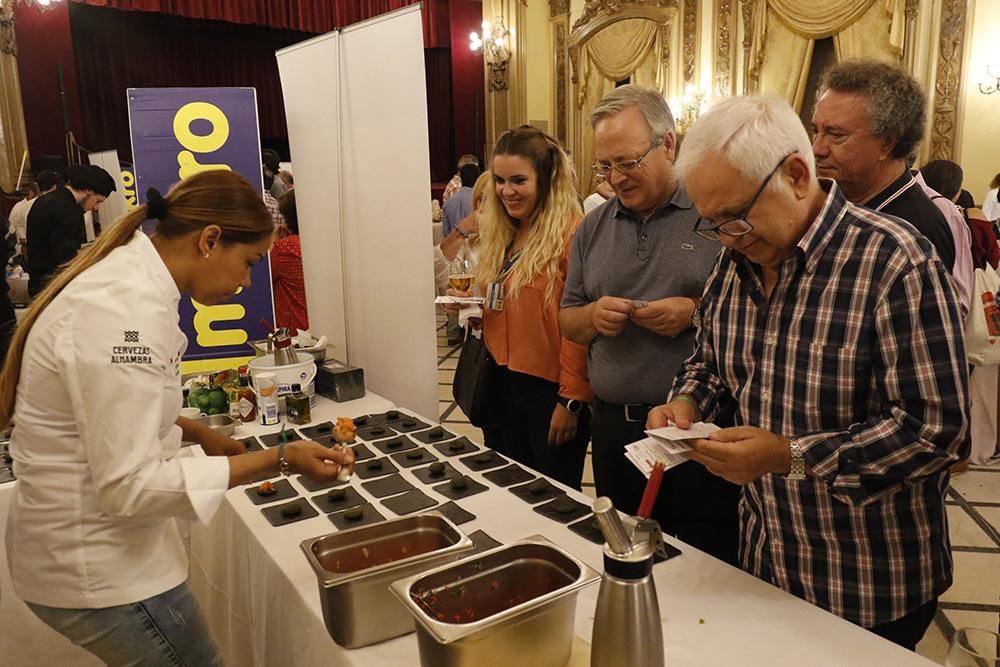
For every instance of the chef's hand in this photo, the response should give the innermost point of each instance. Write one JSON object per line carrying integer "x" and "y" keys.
{"x": 318, "y": 463}
{"x": 610, "y": 315}
{"x": 666, "y": 317}
{"x": 681, "y": 413}
{"x": 215, "y": 444}
{"x": 743, "y": 453}
{"x": 562, "y": 426}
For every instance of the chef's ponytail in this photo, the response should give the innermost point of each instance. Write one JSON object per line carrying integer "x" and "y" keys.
{"x": 217, "y": 197}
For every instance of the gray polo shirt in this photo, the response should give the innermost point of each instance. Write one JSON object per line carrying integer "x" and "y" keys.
{"x": 616, "y": 254}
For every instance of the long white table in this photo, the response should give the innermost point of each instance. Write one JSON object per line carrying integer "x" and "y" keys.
{"x": 262, "y": 600}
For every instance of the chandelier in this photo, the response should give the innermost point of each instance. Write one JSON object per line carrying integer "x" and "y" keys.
{"x": 41, "y": 5}
{"x": 991, "y": 84}
{"x": 496, "y": 53}
{"x": 688, "y": 108}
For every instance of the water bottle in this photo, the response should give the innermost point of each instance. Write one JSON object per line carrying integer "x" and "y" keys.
{"x": 627, "y": 628}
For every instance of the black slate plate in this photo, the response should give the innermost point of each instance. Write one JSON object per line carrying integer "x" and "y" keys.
{"x": 490, "y": 459}
{"x": 512, "y": 474}
{"x": 482, "y": 541}
{"x": 408, "y": 423}
{"x": 409, "y": 502}
{"x": 414, "y": 457}
{"x": 448, "y": 491}
{"x": 456, "y": 447}
{"x": 390, "y": 416}
{"x": 274, "y": 439}
{"x": 455, "y": 513}
{"x": 274, "y": 514}
{"x": 428, "y": 437}
{"x": 362, "y": 453}
{"x": 283, "y": 491}
{"x": 370, "y": 515}
{"x": 317, "y": 431}
{"x": 318, "y": 486}
{"x": 525, "y": 493}
{"x": 369, "y": 470}
{"x": 392, "y": 445}
{"x": 375, "y": 432}
{"x": 588, "y": 529}
{"x": 251, "y": 444}
{"x": 549, "y": 509}
{"x": 326, "y": 504}
{"x": 387, "y": 486}
{"x": 425, "y": 476}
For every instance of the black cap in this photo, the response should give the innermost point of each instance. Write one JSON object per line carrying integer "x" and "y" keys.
{"x": 90, "y": 177}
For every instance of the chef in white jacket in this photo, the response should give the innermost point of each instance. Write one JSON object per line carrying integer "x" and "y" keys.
{"x": 92, "y": 386}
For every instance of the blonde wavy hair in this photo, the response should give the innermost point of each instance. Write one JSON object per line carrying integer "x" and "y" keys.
{"x": 556, "y": 212}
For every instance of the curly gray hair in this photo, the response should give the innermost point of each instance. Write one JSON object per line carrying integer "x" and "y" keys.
{"x": 897, "y": 105}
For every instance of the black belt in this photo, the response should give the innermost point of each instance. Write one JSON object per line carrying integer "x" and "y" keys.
{"x": 633, "y": 412}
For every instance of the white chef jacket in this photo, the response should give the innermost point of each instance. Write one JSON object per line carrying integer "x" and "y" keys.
{"x": 94, "y": 443}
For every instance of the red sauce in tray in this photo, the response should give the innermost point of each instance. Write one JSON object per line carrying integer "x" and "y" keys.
{"x": 379, "y": 552}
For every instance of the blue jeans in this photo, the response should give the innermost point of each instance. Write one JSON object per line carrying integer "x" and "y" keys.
{"x": 166, "y": 630}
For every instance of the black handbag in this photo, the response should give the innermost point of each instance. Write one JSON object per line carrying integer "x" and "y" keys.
{"x": 475, "y": 383}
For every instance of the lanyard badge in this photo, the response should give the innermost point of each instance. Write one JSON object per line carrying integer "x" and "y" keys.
{"x": 494, "y": 296}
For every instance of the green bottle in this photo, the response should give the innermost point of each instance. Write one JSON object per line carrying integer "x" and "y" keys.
{"x": 297, "y": 406}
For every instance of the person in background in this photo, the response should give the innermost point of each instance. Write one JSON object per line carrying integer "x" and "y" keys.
{"x": 460, "y": 204}
{"x": 289, "y": 180}
{"x": 526, "y": 227}
{"x": 287, "y": 279}
{"x": 837, "y": 331}
{"x": 92, "y": 386}
{"x": 455, "y": 184}
{"x": 45, "y": 182}
{"x": 635, "y": 280}
{"x": 272, "y": 165}
{"x": 8, "y": 318}
{"x": 945, "y": 177}
{"x": 991, "y": 206}
{"x": 272, "y": 204}
{"x": 55, "y": 228}
{"x": 460, "y": 242}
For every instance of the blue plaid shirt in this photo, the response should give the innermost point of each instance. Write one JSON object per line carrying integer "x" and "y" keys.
{"x": 857, "y": 355}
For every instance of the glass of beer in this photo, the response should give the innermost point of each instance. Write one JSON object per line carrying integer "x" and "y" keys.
{"x": 460, "y": 275}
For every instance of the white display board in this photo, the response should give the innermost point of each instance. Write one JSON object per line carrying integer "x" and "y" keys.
{"x": 115, "y": 206}
{"x": 356, "y": 108}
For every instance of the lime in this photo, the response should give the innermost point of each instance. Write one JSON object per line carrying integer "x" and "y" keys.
{"x": 213, "y": 411}
{"x": 218, "y": 399}
{"x": 203, "y": 401}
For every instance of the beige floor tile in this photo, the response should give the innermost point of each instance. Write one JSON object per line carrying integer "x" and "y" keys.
{"x": 446, "y": 375}
{"x": 978, "y": 486}
{"x": 452, "y": 362}
{"x": 444, "y": 392}
{"x": 973, "y": 619}
{"x": 991, "y": 514}
{"x": 933, "y": 646}
{"x": 468, "y": 430}
{"x": 588, "y": 471}
{"x": 977, "y": 578}
{"x": 965, "y": 532}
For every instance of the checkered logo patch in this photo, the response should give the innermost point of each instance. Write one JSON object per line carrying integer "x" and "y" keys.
{"x": 131, "y": 336}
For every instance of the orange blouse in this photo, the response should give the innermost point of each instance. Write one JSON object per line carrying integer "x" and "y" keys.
{"x": 525, "y": 335}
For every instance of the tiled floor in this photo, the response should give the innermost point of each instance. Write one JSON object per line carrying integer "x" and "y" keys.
{"x": 973, "y": 517}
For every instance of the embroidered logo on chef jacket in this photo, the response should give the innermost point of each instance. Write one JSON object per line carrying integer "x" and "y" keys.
{"x": 687, "y": 246}
{"x": 135, "y": 355}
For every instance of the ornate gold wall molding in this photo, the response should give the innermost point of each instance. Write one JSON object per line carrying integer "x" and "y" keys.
{"x": 948, "y": 79}
{"x": 8, "y": 45}
{"x": 723, "y": 47}
{"x": 595, "y": 8}
{"x": 690, "y": 24}
{"x": 747, "y": 8}
{"x": 560, "y": 74}
{"x": 558, "y": 8}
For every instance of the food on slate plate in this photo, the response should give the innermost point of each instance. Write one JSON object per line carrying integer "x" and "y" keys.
{"x": 456, "y": 446}
{"x": 266, "y": 489}
{"x": 485, "y": 457}
{"x": 394, "y": 444}
{"x": 538, "y": 487}
{"x": 336, "y": 495}
{"x": 377, "y": 430}
{"x": 436, "y": 469}
{"x": 375, "y": 464}
{"x": 436, "y": 432}
{"x": 409, "y": 423}
{"x": 361, "y": 421}
{"x": 344, "y": 431}
{"x": 392, "y": 414}
{"x": 460, "y": 483}
{"x": 354, "y": 514}
{"x": 292, "y": 509}
{"x": 564, "y": 505}
{"x": 414, "y": 455}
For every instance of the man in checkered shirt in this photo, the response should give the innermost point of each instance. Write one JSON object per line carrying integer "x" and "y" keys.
{"x": 837, "y": 332}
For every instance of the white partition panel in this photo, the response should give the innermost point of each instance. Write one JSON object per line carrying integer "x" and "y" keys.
{"x": 366, "y": 181}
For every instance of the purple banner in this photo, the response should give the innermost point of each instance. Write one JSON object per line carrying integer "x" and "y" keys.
{"x": 177, "y": 132}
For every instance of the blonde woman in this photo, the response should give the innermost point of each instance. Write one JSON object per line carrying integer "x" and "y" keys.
{"x": 526, "y": 225}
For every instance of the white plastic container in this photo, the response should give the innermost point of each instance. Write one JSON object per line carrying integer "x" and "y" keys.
{"x": 267, "y": 398}
{"x": 302, "y": 373}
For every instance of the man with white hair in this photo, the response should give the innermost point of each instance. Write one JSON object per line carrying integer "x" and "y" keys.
{"x": 837, "y": 331}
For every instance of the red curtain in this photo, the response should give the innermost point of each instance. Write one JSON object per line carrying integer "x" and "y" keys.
{"x": 315, "y": 16}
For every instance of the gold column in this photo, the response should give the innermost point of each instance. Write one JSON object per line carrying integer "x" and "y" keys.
{"x": 559, "y": 21}
{"x": 948, "y": 84}
{"x": 13, "y": 136}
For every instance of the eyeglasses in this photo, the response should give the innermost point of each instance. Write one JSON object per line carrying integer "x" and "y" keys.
{"x": 738, "y": 225}
{"x": 603, "y": 169}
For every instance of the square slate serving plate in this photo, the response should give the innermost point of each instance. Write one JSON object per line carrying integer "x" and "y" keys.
{"x": 484, "y": 460}
{"x": 317, "y": 431}
{"x": 283, "y": 491}
{"x": 376, "y": 432}
{"x": 251, "y": 444}
{"x": 409, "y": 502}
{"x": 387, "y": 486}
{"x": 456, "y": 447}
{"x": 373, "y": 468}
{"x": 408, "y": 424}
{"x": 400, "y": 443}
{"x": 562, "y": 509}
{"x": 455, "y": 513}
{"x": 368, "y": 515}
{"x": 431, "y": 436}
{"x": 328, "y": 504}
{"x": 361, "y": 452}
{"x": 414, "y": 457}
{"x": 318, "y": 486}
{"x": 482, "y": 541}
{"x": 448, "y": 491}
{"x": 545, "y": 490}
{"x": 275, "y": 513}
{"x": 588, "y": 529}
{"x": 274, "y": 439}
{"x": 427, "y": 477}
{"x": 512, "y": 474}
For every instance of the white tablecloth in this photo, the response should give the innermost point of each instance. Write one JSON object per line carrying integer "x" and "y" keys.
{"x": 263, "y": 603}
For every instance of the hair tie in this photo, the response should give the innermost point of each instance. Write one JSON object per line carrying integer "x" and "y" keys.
{"x": 156, "y": 204}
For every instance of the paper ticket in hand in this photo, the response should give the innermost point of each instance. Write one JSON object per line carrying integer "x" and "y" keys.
{"x": 697, "y": 430}
{"x": 460, "y": 300}
{"x": 646, "y": 452}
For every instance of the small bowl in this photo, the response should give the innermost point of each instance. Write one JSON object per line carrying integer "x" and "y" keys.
{"x": 224, "y": 424}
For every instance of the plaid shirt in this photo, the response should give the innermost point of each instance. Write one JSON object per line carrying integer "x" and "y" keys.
{"x": 858, "y": 356}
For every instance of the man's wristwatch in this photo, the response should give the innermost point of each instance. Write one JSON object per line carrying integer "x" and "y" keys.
{"x": 696, "y": 315}
{"x": 572, "y": 405}
{"x": 797, "y": 471}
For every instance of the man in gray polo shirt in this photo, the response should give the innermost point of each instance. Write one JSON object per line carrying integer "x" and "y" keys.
{"x": 636, "y": 275}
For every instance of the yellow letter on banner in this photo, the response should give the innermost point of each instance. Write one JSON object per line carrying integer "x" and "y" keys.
{"x": 194, "y": 143}
{"x": 206, "y": 316}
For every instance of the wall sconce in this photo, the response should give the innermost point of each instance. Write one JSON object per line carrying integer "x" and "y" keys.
{"x": 991, "y": 83}
{"x": 41, "y": 5}
{"x": 496, "y": 53}
{"x": 687, "y": 109}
